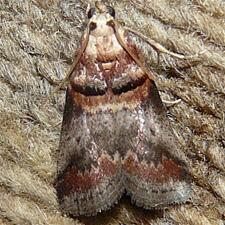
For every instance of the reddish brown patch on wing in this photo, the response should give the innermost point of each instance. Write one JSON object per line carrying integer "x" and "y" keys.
{"x": 161, "y": 173}
{"x": 75, "y": 181}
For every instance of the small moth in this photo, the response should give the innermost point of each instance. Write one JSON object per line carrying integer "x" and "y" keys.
{"x": 115, "y": 136}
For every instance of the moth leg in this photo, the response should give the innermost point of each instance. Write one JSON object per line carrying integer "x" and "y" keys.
{"x": 171, "y": 102}
{"x": 51, "y": 80}
{"x": 62, "y": 83}
{"x": 159, "y": 47}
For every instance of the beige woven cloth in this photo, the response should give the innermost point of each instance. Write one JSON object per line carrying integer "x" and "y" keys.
{"x": 38, "y": 38}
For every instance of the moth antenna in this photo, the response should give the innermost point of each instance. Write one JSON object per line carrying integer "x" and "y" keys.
{"x": 100, "y": 6}
{"x": 88, "y": 7}
{"x": 159, "y": 47}
{"x": 60, "y": 84}
{"x": 120, "y": 40}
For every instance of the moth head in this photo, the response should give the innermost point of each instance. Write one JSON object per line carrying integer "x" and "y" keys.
{"x": 100, "y": 16}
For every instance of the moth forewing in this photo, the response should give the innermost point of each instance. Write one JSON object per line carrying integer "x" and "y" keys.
{"x": 115, "y": 135}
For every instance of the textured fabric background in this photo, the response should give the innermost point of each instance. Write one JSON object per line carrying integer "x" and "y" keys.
{"x": 38, "y": 38}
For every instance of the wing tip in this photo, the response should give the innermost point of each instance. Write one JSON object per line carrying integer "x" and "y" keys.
{"x": 94, "y": 200}
{"x": 151, "y": 196}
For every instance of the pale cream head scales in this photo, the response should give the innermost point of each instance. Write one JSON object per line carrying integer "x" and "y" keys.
{"x": 100, "y": 17}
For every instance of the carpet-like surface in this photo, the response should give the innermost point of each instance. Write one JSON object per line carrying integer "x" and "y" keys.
{"x": 38, "y": 38}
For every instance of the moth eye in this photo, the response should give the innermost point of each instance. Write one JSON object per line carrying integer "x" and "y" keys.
{"x": 92, "y": 26}
{"x": 111, "y": 11}
{"x": 91, "y": 12}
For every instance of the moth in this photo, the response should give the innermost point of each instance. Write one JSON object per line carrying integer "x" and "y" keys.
{"x": 115, "y": 135}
